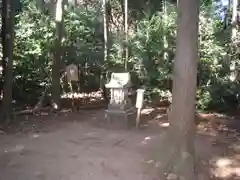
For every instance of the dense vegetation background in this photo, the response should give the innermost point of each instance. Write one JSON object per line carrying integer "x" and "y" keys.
{"x": 151, "y": 44}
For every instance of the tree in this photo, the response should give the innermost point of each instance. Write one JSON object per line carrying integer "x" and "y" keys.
{"x": 165, "y": 55}
{"x": 105, "y": 27}
{"x": 7, "y": 44}
{"x": 182, "y": 128}
{"x": 234, "y": 19}
{"x": 126, "y": 32}
{"x": 106, "y": 48}
{"x": 56, "y": 88}
{"x": 233, "y": 38}
{"x": 180, "y": 137}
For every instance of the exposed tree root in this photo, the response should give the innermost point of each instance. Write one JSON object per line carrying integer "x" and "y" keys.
{"x": 173, "y": 159}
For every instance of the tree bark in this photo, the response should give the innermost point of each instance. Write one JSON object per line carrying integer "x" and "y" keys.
{"x": 105, "y": 27}
{"x": 106, "y": 46}
{"x": 180, "y": 158}
{"x": 165, "y": 40}
{"x": 57, "y": 56}
{"x": 126, "y": 32}
{"x": 233, "y": 38}
{"x": 7, "y": 44}
{"x": 234, "y": 19}
{"x": 182, "y": 122}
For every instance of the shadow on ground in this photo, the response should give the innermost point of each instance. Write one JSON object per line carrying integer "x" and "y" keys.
{"x": 217, "y": 143}
{"x": 77, "y": 145}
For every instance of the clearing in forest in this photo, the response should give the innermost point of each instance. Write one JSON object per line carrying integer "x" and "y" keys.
{"x": 78, "y": 146}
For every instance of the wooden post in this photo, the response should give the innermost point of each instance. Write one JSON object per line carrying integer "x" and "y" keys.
{"x": 139, "y": 103}
{"x": 138, "y": 118}
{"x": 72, "y": 76}
{"x": 71, "y": 88}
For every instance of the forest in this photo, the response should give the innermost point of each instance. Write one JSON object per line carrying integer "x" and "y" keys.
{"x": 151, "y": 48}
{"x": 156, "y": 41}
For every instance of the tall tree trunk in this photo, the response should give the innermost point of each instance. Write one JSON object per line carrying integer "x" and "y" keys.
{"x": 180, "y": 158}
{"x": 182, "y": 122}
{"x": 233, "y": 38}
{"x": 7, "y": 44}
{"x": 57, "y": 56}
{"x": 106, "y": 48}
{"x": 234, "y": 19}
{"x": 126, "y": 32}
{"x": 105, "y": 27}
{"x": 165, "y": 40}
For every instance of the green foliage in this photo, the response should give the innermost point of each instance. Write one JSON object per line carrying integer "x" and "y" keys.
{"x": 152, "y": 36}
{"x": 33, "y": 39}
{"x": 33, "y": 48}
{"x": 84, "y": 36}
{"x": 216, "y": 91}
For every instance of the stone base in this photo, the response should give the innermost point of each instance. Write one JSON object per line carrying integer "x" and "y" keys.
{"x": 126, "y": 117}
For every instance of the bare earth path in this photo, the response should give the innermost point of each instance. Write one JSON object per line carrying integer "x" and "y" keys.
{"x": 83, "y": 150}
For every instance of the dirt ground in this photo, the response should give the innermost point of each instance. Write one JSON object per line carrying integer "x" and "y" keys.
{"x": 80, "y": 146}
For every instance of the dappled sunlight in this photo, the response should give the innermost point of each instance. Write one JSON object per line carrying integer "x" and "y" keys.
{"x": 165, "y": 125}
{"x": 55, "y": 106}
{"x": 94, "y": 100}
{"x": 223, "y": 162}
{"x": 146, "y": 139}
{"x": 154, "y": 117}
{"x": 150, "y": 161}
{"x": 34, "y": 136}
{"x": 17, "y": 148}
{"x": 159, "y": 116}
{"x": 147, "y": 111}
{"x": 205, "y": 130}
{"x": 90, "y": 142}
{"x": 83, "y": 100}
{"x": 236, "y": 147}
{"x": 90, "y": 134}
{"x": 226, "y": 168}
{"x": 76, "y": 95}
{"x": 87, "y": 89}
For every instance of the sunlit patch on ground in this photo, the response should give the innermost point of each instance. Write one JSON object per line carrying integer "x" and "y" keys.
{"x": 146, "y": 139}
{"x": 227, "y": 168}
{"x": 147, "y": 111}
{"x": 75, "y": 95}
{"x": 164, "y": 124}
{"x": 68, "y": 136}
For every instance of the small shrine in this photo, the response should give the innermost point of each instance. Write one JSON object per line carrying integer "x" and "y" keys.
{"x": 119, "y": 106}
